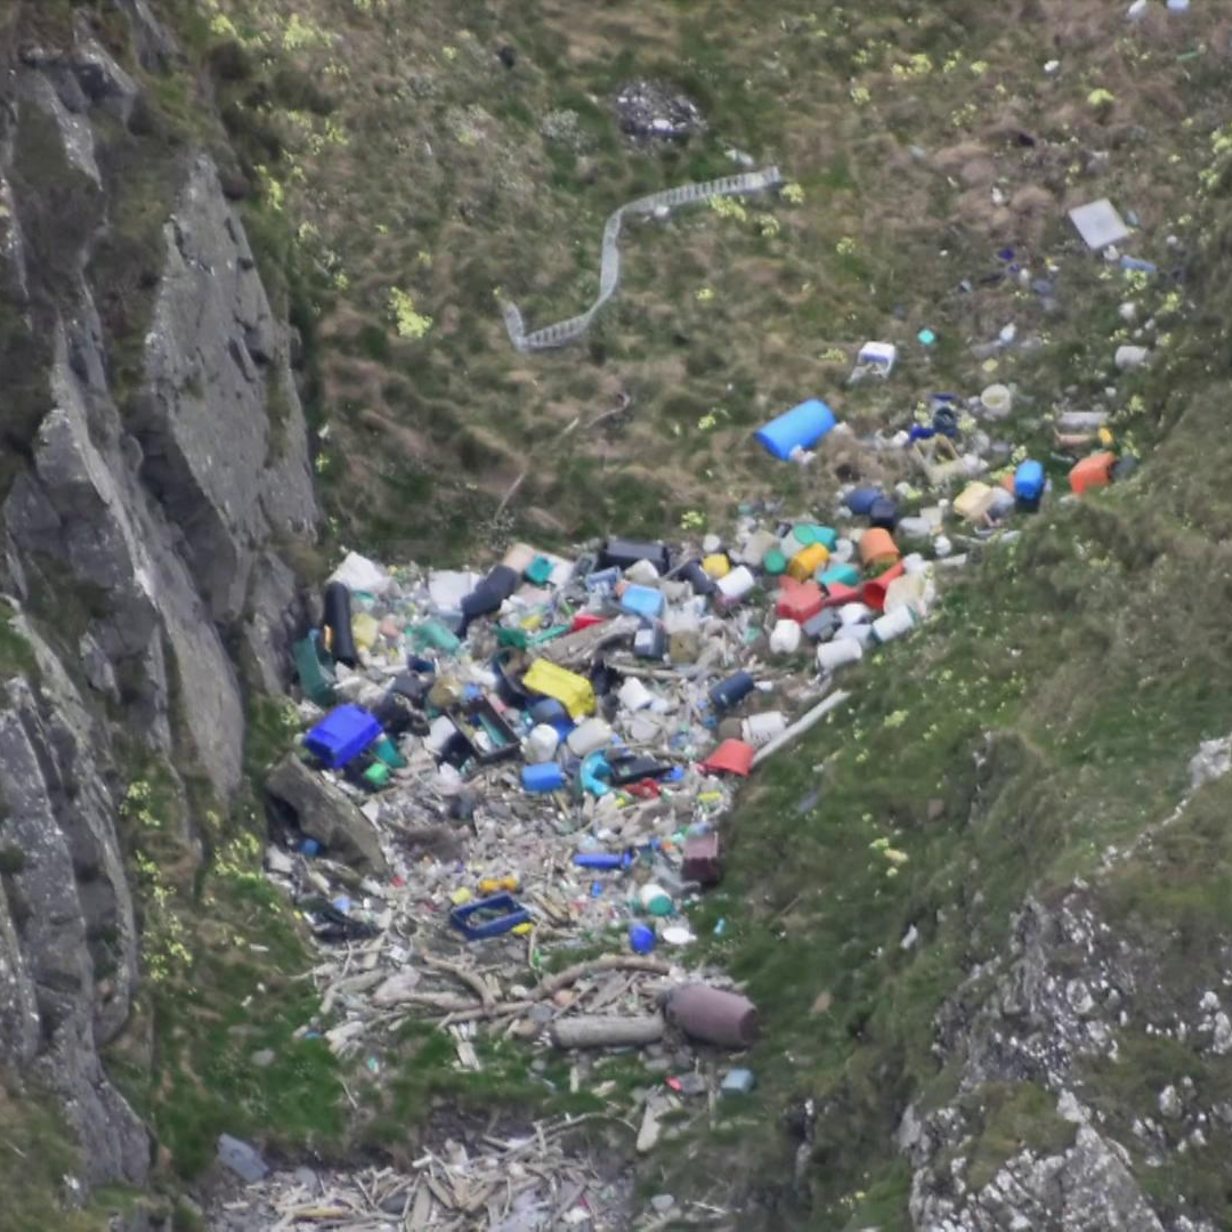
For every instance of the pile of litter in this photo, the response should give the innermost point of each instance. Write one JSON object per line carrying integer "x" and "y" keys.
{"x": 505, "y": 1183}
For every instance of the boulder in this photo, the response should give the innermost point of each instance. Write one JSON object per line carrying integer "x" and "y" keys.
{"x": 325, "y": 813}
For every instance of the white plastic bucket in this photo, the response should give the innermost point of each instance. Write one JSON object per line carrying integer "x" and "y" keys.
{"x": 738, "y": 583}
{"x": 997, "y": 401}
{"x": 894, "y": 624}
{"x": 759, "y": 729}
{"x": 832, "y": 655}
{"x": 785, "y": 637}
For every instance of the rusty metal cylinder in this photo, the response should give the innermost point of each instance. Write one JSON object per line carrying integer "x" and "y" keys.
{"x": 713, "y": 1015}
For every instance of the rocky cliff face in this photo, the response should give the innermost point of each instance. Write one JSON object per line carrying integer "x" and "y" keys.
{"x": 150, "y": 476}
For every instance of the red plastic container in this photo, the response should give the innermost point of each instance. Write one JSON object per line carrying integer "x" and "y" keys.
{"x": 875, "y": 589}
{"x": 731, "y": 757}
{"x": 838, "y": 593}
{"x": 799, "y": 601}
{"x": 1092, "y": 472}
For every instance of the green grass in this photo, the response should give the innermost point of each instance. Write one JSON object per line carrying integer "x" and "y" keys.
{"x": 37, "y": 1154}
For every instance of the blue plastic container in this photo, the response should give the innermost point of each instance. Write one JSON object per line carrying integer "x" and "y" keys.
{"x": 860, "y": 500}
{"x": 883, "y": 512}
{"x": 547, "y": 776}
{"x": 730, "y": 692}
{"x": 342, "y": 735}
{"x": 1029, "y": 483}
{"x": 801, "y": 427}
{"x": 641, "y": 938}
{"x": 609, "y": 860}
{"x": 643, "y": 601}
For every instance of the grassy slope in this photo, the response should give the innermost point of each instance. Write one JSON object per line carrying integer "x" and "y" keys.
{"x": 404, "y": 155}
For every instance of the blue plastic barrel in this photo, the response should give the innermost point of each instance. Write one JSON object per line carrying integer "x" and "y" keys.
{"x": 801, "y": 427}
{"x": 545, "y": 777}
{"x": 860, "y": 500}
{"x": 1029, "y": 482}
{"x": 730, "y": 692}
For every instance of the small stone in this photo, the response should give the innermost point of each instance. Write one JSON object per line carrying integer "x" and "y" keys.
{"x": 1221, "y": 1045}
{"x": 1170, "y": 1103}
{"x": 663, "y": 1203}
{"x": 1079, "y": 997}
{"x": 263, "y": 1059}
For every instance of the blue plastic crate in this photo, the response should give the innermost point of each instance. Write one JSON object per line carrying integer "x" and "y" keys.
{"x": 342, "y": 735}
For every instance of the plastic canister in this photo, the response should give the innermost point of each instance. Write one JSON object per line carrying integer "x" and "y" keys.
{"x": 730, "y": 692}
{"x": 337, "y": 624}
{"x": 545, "y": 777}
{"x": 642, "y": 601}
{"x": 807, "y": 561}
{"x": 855, "y": 613}
{"x": 589, "y": 736}
{"x": 808, "y": 533}
{"x": 650, "y": 641}
{"x": 875, "y": 589}
{"x": 883, "y": 512}
{"x": 717, "y": 565}
{"x": 831, "y": 655}
{"x": 540, "y": 745}
{"x": 800, "y": 428}
{"x": 997, "y": 401}
{"x": 785, "y": 637}
{"x": 693, "y": 573}
{"x": 1029, "y": 483}
{"x": 655, "y": 899}
{"x": 845, "y": 575}
{"x": 894, "y": 624}
{"x": 860, "y": 500}
{"x": 877, "y": 546}
{"x": 914, "y": 528}
{"x": 855, "y": 633}
{"x": 634, "y": 695}
{"x": 735, "y": 586}
{"x": 713, "y": 1015}
{"x": 759, "y": 729}
{"x": 641, "y": 938}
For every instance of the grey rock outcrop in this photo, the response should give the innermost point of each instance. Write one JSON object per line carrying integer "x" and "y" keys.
{"x": 139, "y": 536}
{"x": 324, "y": 813}
{"x": 68, "y": 942}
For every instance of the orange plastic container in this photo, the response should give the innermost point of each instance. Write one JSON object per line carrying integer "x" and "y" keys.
{"x": 1092, "y": 472}
{"x": 877, "y": 547}
{"x": 807, "y": 561}
{"x": 875, "y": 590}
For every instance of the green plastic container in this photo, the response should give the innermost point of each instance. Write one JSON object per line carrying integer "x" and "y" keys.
{"x": 377, "y": 774}
{"x": 538, "y": 571}
{"x": 844, "y": 575}
{"x": 774, "y": 562}
{"x": 432, "y": 634}
{"x": 387, "y": 751}
{"x": 315, "y": 678}
{"x": 810, "y": 532}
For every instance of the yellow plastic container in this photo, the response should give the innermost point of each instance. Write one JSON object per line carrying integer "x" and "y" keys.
{"x": 717, "y": 565}
{"x": 574, "y": 692}
{"x": 974, "y": 501}
{"x": 365, "y": 630}
{"x": 807, "y": 561}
